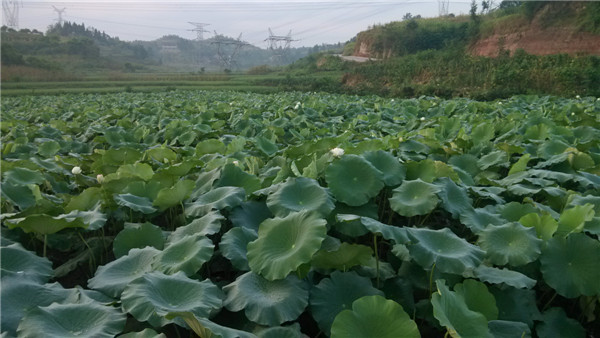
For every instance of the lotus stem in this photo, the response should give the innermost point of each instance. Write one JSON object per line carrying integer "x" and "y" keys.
{"x": 431, "y": 279}
{"x": 89, "y": 248}
{"x": 376, "y": 257}
{"x": 45, "y": 241}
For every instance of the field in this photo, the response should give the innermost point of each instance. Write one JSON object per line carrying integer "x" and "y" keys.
{"x": 221, "y": 213}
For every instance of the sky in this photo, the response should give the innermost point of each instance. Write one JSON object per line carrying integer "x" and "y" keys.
{"x": 311, "y": 22}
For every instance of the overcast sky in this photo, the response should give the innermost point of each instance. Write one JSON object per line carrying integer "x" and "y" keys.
{"x": 311, "y": 22}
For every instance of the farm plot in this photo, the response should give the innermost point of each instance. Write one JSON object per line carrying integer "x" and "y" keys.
{"x": 241, "y": 215}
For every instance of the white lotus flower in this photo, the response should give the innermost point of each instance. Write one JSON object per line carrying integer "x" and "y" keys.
{"x": 572, "y": 114}
{"x": 100, "y": 178}
{"x": 236, "y": 162}
{"x": 337, "y": 152}
{"x": 423, "y": 118}
{"x": 577, "y": 97}
{"x": 76, "y": 170}
{"x": 297, "y": 105}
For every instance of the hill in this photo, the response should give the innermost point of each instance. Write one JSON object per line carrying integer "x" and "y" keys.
{"x": 542, "y": 47}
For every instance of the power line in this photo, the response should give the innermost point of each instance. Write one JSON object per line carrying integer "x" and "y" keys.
{"x": 60, "y": 14}
{"x": 199, "y": 29}
{"x": 10, "y": 8}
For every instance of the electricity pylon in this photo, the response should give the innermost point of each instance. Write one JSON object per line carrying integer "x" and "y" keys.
{"x": 279, "y": 45}
{"x": 443, "y": 7}
{"x": 10, "y": 8}
{"x": 227, "y": 56}
{"x": 199, "y": 30}
{"x": 60, "y": 13}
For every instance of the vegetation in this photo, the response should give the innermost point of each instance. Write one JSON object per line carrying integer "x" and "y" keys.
{"x": 245, "y": 215}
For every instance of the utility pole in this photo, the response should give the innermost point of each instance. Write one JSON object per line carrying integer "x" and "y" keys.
{"x": 60, "y": 13}
{"x": 227, "y": 56}
{"x": 199, "y": 30}
{"x": 10, "y": 8}
{"x": 279, "y": 44}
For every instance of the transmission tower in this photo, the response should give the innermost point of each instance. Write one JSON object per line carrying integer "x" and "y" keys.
{"x": 228, "y": 49}
{"x": 443, "y": 7}
{"x": 10, "y": 8}
{"x": 199, "y": 30}
{"x": 279, "y": 45}
{"x": 60, "y": 14}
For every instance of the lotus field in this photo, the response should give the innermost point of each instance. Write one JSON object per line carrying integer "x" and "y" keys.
{"x": 226, "y": 214}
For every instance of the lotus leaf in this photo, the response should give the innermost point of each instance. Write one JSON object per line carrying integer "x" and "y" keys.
{"x": 449, "y": 253}
{"x": 250, "y": 214}
{"x": 511, "y": 244}
{"x": 497, "y": 276}
{"x": 23, "y": 196}
{"x": 478, "y": 298}
{"x": 353, "y": 180}
{"x": 290, "y": 331}
{"x": 23, "y": 176}
{"x": 389, "y": 232}
{"x": 113, "y": 277}
{"x": 72, "y": 320}
{"x": 343, "y": 258}
{"x": 284, "y": 244}
{"x": 234, "y": 244}
{"x": 208, "y": 224}
{"x": 495, "y": 158}
{"x": 374, "y": 316}
{"x": 162, "y": 154}
{"x": 479, "y": 219}
{"x": 218, "y": 198}
{"x": 24, "y": 264}
{"x": 187, "y": 254}
{"x": 556, "y": 324}
{"x": 350, "y": 224}
{"x": 337, "y": 293}
{"x": 155, "y": 294}
{"x": 138, "y": 169}
{"x": 573, "y": 219}
{"x": 298, "y": 194}
{"x": 93, "y": 218}
{"x": 44, "y": 224}
{"x": 234, "y": 176}
{"x": 145, "y": 333}
{"x": 569, "y": 265}
{"x": 545, "y": 226}
{"x": 454, "y": 198}
{"x": 137, "y": 235}
{"x": 393, "y": 172}
{"x": 172, "y": 196}
{"x": 451, "y": 310}
{"x": 520, "y": 165}
{"x": 136, "y": 203}
{"x": 267, "y": 302}
{"x": 508, "y": 329}
{"x": 86, "y": 200}
{"x": 414, "y": 198}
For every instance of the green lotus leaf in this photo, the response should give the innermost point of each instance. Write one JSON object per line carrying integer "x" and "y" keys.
{"x": 580, "y": 160}
{"x": 555, "y": 323}
{"x": 289, "y": 331}
{"x": 389, "y": 232}
{"x": 520, "y": 165}
{"x": 466, "y": 162}
{"x": 284, "y": 244}
{"x": 573, "y": 219}
{"x": 20, "y": 295}
{"x": 16, "y": 261}
{"x": 210, "y": 146}
{"x": 495, "y": 158}
{"x": 393, "y": 172}
{"x": 511, "y": 244}
{"x": 509, "y": 329}
{"x": 234, "y": 245}
{"x": 172, "y": 196}
{"x": 344, "y": 258}
{"x": 119, "y": 156}
{"x": 513, "y": 211}
{"x": 298, "y": 194}
{"x": 89, "y": 319}
{"x": 205, "y": 182}
{"x": 451, "y": 310}
{"x": 145, "y": 333}
{"x": 545, "y": 226}
{"x": 86, "y": 200}
{"x": 589, "y": 179}
{"x": 48, "y": 148}
{"x": 23, "y": 176}
{"x": 414, "y": 198}
{"x": 449, "y": 253}
{"x": 348, "y": 218}
{"x": 138, "y": 169}
{"x": 374, "y": 316}
{"x": 267, "y": 302}
{"x": 454, "y": 198}
{"x": 208, "y": 224}
{"x": 551, "y": 147}
{"x": 479, "y": 219}
{"x": 266, "y": 146}
{"x": 93, "y": 218}
{"x": 155, "y": 294}
{"x": 137, "y": 235}
{"x": 517, "y": 305}
{"x": 478, "y": 298}
{"x": 162, "y": 154}
{"x": 570, "y": 265}
{"x": 187, "y": 254}
{"x": 428, "y": 170}
{"x": 23, "y": 196}
{"x": 492, "y": 193}
{"x": 234, "y": 176}
{"x": 218, "y": 198}
{"x": 498, "y": 276}
{"x": 250, "y": 214}
{"x": 353, "y": 180}
{"x": 44, "y": 224}
{"x": 136, "y": 203}
{"x": 114, "y": 277}
{"x": 337, "y": 293}
{"x": 482, "y": 133}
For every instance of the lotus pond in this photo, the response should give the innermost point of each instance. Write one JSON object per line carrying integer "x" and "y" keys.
{"x": 224, "y": 214}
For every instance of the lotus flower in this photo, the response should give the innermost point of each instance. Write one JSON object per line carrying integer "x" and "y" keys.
{"x": 76, "y": 170}
{"x": 337, "y": 152}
